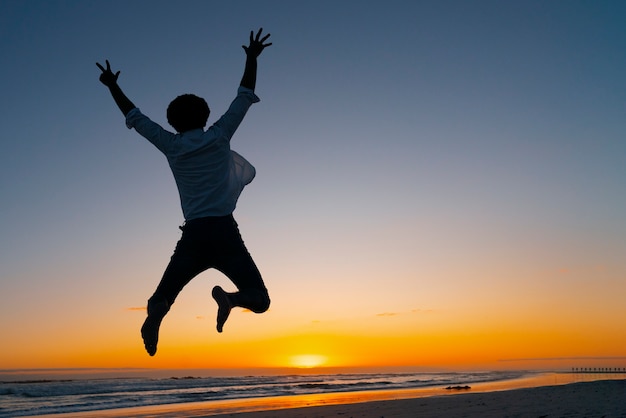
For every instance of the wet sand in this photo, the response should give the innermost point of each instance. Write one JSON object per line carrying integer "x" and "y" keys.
{"x": 597, "y": 399}
{"x": 541, "y": 396}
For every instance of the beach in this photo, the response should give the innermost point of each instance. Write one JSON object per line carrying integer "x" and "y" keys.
{"x": 542, "y": 396}
{"x": 588, "y": 399}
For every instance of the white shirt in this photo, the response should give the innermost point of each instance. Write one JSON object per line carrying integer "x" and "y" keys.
{"x": 209, "y": 176}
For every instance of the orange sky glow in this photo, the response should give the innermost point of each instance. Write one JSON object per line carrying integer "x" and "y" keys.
{"x": 440, "y": 184}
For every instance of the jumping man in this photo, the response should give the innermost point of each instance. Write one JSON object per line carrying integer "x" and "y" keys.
{"x": 210, "y": 178}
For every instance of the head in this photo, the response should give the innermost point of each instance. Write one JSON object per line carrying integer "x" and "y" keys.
{"x": 188, "y": 112}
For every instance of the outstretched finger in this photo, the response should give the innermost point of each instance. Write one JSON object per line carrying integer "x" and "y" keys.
{"x": 258, "y": 34}
{"x": 100, "y": 66}
{"x": 265, "y": 37}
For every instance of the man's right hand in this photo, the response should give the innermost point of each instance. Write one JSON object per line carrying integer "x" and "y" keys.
{"x": 110, "y": 80}
{"x": 107, "y": 77}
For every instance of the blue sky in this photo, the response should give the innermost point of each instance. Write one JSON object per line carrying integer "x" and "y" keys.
{"x": 438, "y": 155}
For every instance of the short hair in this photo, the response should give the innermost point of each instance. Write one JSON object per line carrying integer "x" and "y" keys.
{"x": 187, "y": 112}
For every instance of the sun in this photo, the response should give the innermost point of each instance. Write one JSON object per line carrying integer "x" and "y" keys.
{"x": 307, "y": 361}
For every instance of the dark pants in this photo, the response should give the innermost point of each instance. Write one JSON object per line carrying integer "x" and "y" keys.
{"x": 214, "y": 242}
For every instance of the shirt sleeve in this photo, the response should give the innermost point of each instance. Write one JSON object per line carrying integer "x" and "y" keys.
{"x": 248, "y": 92}
{"x": 230, "y": 121}
{"x": 150, "y": 130}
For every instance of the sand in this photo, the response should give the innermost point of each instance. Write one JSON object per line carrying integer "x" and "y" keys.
{"x": 603, "y": 398}
{"x": 595, "y": 399}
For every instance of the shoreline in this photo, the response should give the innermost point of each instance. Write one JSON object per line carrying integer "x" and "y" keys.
{"x": 556, "y": 385}
{"x": 575, "y": 400}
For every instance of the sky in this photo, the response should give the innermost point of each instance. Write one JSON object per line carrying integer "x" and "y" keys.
{"x": 440, "y": 184}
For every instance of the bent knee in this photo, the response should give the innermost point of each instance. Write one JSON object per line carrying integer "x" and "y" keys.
{"x": 255, "y": 300}
{"x": 262, "y": 302}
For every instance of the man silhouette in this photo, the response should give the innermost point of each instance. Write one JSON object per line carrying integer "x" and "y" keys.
{"x": 210, "y": 177}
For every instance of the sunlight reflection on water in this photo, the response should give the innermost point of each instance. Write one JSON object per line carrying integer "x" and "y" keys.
{"x": 205, "y": 409}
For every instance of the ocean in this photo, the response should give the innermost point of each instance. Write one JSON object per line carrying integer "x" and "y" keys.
{"x": 52, "y": 396}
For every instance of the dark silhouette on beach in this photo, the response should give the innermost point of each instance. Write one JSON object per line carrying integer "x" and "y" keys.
{"x": 210, "y": 178}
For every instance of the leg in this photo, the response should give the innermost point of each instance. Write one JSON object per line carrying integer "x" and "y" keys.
{"x": 237, "y": 264}
{"x": 157, "y": 308}
{"x": 257, "y": 301}
{"x": 224, "y": 305}
{"x": 182, "y": 268}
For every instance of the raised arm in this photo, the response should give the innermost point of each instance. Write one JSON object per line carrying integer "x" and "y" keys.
{"x": 252, "y": 52}
{"x": 110, "y": 80}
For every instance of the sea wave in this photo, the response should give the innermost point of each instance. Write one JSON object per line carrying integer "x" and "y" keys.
{"x": 22, "y": 398}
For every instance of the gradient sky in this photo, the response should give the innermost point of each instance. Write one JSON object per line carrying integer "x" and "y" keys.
{"x": 439, "y": 183}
